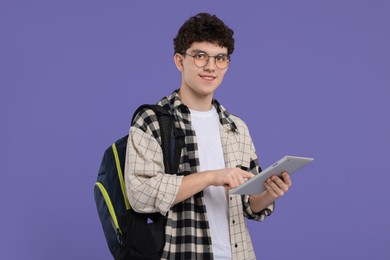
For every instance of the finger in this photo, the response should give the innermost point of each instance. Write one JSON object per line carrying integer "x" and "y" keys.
{"x": 234, "y": 180}
{"x": 229, "y": 181}
{"x": 270, "y": 190}
{"x": 227, "y": 187}
{"x": 239, "y": 179}
{"x": 280, "y": 183}
{"x": 286, "y": 178}
{"x": 245, "y": 174}
{"x": 272, "y": 183}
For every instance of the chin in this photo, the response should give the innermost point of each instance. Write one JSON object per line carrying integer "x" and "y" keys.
{"x": 206, "y": 91}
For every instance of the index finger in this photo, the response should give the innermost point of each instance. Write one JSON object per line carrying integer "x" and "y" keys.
{"x": 247, "y": 174}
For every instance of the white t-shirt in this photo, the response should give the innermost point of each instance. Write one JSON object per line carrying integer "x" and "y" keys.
{"x": 206, "y": 125}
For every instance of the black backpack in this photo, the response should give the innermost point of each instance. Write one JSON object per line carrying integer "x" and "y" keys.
{"x": 132, "y": 235}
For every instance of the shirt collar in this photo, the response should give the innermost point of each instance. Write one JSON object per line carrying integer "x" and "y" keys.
{"x": 225, "y": 118}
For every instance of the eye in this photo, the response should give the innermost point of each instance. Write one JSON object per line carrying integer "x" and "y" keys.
{"x": 201, "y": 56}
{"x": 221, "y": 57}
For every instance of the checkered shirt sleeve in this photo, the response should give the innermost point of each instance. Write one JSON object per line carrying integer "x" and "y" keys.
{"x": 148, "y": 188}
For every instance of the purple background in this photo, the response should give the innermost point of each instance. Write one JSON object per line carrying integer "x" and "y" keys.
{"x": 310, "y": 78}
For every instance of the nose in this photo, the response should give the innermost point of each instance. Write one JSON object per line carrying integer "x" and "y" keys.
{"x": 210, "y": 66}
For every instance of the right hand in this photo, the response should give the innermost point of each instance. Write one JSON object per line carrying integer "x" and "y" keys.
{"x": 229, "y": 178}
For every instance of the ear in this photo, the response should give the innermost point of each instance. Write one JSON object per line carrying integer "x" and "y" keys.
{"x": 178, "y": 59}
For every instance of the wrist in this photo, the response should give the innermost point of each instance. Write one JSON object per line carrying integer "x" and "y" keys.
{"x": 260, "y": 201}
{"x": 208, "y": 177}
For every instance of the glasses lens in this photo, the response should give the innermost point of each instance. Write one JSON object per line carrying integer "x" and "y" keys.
{"x": 201, "y": 59}
{"x": 222, "y": 61}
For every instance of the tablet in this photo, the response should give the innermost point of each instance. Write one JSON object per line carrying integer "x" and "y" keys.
{"x": 255, "y": 185}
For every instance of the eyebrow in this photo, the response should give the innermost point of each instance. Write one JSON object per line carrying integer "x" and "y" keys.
{"x": 197, "y": 50}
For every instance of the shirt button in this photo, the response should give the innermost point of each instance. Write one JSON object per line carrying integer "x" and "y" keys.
{"x": 235, "y": 245}
{"x": 233, "y": 221}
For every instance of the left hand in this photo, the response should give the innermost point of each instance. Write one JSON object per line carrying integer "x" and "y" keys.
{"x": 275, "y": 186}
{"x": 278, "y": 186}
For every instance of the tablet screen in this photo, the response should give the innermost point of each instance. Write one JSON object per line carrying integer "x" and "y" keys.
{"x": 255, "y": 185}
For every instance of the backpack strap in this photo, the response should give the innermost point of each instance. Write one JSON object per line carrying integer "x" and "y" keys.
{"x": 172, "y": 139}
{"x": 110, "y": 207}
{"x": 177, "y": 144}
{"x": 120, "y": 175}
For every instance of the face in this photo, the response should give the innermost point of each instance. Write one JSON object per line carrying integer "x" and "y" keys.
{"x": 200, "y": 81}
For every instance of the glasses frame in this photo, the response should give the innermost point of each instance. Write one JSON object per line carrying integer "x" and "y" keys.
{"x": 207, "y": 61}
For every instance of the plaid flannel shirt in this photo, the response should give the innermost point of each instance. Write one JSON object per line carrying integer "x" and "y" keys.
{"x": 150, "y": 190}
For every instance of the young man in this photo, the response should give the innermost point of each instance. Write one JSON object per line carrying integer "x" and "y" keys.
{"x": 203, "y": 220}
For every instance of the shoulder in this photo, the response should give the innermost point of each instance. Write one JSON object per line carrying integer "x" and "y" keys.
{"x": 240, "y": 124}
{"x": 147, "y": 121}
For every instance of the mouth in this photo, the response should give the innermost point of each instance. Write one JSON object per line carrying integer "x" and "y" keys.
{"x": 207, "y": 77}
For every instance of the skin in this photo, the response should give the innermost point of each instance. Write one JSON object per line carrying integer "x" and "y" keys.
{"x": 196, "y": 91}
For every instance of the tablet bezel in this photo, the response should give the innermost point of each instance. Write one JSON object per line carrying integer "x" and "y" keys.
{"x": 255, "y": 185}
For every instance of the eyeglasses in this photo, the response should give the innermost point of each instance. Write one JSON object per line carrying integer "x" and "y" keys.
{"x": 201, "y": 59}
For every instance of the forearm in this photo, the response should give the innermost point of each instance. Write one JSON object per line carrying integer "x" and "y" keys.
{"x": 260, "y": 201}
{"x": 192, "y": 184}
{"x": 196, "y": 182}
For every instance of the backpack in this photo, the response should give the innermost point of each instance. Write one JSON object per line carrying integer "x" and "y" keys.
{"x": 132, "y": 235}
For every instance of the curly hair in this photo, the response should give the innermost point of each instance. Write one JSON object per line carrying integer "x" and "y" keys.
{"x": 204, "y": 27}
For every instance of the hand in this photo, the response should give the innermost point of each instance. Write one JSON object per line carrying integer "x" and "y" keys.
{"x": 193, "y": 183}
{"x": 277, "y": 187}
{"x": 229, "y": 178}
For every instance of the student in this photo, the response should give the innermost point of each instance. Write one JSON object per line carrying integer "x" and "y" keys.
{"x": 203, "y": 220}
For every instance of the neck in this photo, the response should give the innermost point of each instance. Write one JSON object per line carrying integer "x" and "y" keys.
{"x": 196, "y": 101}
